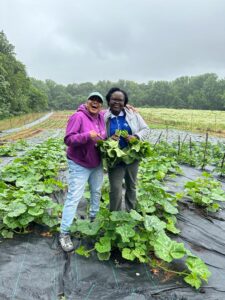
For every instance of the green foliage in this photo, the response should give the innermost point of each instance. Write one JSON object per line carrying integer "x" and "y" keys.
{"x": 196, "y": 154}
{"x": 206, "y": 192}
{"x": 23, "y": 187}
{"x": 10, "y": 149}
{"x": 139, "y": 237}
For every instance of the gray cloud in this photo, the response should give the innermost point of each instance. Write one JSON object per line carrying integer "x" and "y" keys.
{"x": 85, "y": 40}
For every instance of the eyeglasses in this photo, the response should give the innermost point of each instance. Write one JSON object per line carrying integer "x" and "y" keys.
{"x": 97, "y": 100}
{"x": 114, "y": 100}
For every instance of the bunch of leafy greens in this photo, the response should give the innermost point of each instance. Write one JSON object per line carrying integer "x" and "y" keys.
{"x": 111, "y": 152}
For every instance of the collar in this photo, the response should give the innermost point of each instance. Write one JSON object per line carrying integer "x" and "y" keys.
{"x": 119, "y": 115}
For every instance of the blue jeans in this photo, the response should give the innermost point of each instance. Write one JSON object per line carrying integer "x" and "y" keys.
{"x": 78, "y": 177}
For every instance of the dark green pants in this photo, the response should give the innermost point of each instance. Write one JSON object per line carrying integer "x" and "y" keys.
{"x": 116, "y": 176}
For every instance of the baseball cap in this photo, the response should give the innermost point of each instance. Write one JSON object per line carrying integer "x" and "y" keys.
{"x": 96, "y": 94}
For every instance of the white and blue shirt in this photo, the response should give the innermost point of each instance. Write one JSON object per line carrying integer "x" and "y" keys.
{"x": 119, "y": 122}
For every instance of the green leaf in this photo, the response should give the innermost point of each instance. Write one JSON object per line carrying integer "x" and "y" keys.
{"x": 82, "y": 251}
{"x": 7, "y": 234}
{"x": 36, "y": 211}
{"x": 11, "y": 222}
{"x": 16, "y": 209}
{"x": 193, "y": 280}
{"x": 140, "y": 254}
{"x": 88, "y": 228}
{"x": 177, "y": 250}
{"x": 135, "y": 215}
{"x": 128, "y": 254}
{"x": 103, "y": 256}
{"x": 104, "y": 245}
{"x": 169, "y": 208}
{"x": 126, "y": 232}
{"x": 170, "y": 226}
{"x": 49, "y": 221}
{"x": 153, "y": 222}
{"x": 25, "y": 219}
{"x": 120, "y": 216}
{"x": 197, "y": 266}
{"x": 162, "y": 245}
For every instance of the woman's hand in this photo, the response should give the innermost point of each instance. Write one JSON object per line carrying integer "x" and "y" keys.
{"x": 94, "y": 135}
{"x": 131, "y": 138}
{"x": 131, "y": 107}
{"x": 115, "y": 137}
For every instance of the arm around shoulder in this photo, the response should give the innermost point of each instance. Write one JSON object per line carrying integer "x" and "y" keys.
{"x": 144, "y": 131}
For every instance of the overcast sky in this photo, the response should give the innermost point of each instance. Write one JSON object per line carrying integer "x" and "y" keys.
{"x": 90, "y": 40}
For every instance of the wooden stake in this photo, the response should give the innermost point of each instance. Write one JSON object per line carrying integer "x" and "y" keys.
{"x": 158, "y": 139}
{"x": 205, "y": 151}
{"x": 222, "y": 165}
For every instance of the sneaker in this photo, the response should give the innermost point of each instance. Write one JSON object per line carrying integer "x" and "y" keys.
{"x": 65, "y": 242}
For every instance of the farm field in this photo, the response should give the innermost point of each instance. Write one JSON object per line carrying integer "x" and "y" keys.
{"x": 191, "y": 120}
{"x": 19, "y": 121}
{"x": 202, "y": 121}
{"x": 28, "y": 183}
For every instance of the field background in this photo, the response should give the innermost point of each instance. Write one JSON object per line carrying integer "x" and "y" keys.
{"x": 200, "y": 121}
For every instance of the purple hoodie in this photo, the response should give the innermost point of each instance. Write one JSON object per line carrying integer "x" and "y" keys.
{"x": 81, "y": 148}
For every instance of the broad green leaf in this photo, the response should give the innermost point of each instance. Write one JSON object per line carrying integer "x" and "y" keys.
{"x": 7, "y": 234}
{"x": 11, "y": 222}
{"x": 49, "y": 221}
{"x": 162, "y": 245}
{"x": 16, "y": 209}
{"x": 135, "y": 215}
{"x": 104, "y": 245}
{"x": 126, "y": 232}
{"x": 169, "y": 208}
{"x": 193, "y": 280}
{"x": 25, "y": 219}
{"x": 120, "y": 216}
{"x": 128, "y": 254}
{"x": 103, "y": 256}
{"x": 36, "y": 211}
{"x": 87, "y": 228}
{"x": 177, "y": 250}
{"x": 197, "y": 266}
{"x": 153, "y": 222}
{"x": 170, "y": 226}
{"x": 140, "y": 254}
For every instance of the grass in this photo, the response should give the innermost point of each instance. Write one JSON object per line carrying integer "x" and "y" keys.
{"x": 191, "y": 120}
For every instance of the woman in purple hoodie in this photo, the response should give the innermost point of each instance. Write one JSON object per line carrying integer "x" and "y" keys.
{"x": 84, "y": 128}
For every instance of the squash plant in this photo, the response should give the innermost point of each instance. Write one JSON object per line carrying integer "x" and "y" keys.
{"x": 205, "y": 192}
{"x": 141, "y": 234}
{"x": 139, "y": 237}
{"x": 24, "y": 184}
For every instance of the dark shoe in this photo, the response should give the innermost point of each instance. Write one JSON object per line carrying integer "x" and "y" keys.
{"x": 65, "y": 242}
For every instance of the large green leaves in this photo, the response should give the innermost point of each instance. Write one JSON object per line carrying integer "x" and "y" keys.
{"x": 199, "y": 271}
{"x": 167, "y": 249}
{"x": 136, "y": 150}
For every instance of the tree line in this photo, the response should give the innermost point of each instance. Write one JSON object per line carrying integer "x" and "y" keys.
{"x": 20, "y": 93}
